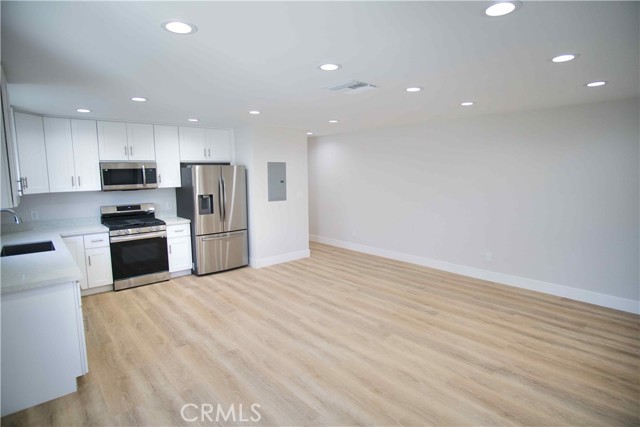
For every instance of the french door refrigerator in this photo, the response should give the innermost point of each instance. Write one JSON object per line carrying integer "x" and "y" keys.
{"x": 214, "y": 198}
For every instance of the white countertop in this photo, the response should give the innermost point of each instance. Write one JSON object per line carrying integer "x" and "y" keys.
{"x": 30, "y": 271}
{"x": 174, "y": 220}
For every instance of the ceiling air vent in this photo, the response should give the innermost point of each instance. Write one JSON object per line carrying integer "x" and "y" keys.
{"x": 352, "y": 86}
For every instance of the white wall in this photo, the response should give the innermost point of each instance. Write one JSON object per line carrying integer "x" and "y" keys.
{"x": 278, "y": 231}
{"x": 60, "y": 206}
{"x": 552, "y": 194}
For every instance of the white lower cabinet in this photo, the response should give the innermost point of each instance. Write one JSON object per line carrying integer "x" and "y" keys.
{"x": 75, "y": 244}
{"x": 43, "y": 345}
{"x": 179, "y": 247}
{"x": 93, "y": 257}
{"x": 98, "y": 258}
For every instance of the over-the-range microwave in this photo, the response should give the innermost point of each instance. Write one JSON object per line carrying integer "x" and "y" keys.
{"x": 128, "y": 176}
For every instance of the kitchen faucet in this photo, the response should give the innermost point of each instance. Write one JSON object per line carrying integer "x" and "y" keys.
{"x": 16, "y": 217}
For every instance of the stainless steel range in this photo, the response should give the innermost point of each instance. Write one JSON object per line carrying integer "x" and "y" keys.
{"x": 138, "y": 245}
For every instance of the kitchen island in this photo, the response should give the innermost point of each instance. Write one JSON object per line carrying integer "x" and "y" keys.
{"x": 43, "y": 343}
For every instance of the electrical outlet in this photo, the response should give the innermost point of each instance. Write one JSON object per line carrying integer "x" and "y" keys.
{"x": 34, "y": 215}
{"x": 169, "y": 205}
{"x": 300, "y": 195}
{"x": 488, "y": 256}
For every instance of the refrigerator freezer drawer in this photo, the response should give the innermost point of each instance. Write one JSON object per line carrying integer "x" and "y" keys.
{"x": 219, "y": 252}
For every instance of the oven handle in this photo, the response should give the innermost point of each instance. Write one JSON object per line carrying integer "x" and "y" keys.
{"x": 141, "y": 236}
{"x": 144, "y": 176}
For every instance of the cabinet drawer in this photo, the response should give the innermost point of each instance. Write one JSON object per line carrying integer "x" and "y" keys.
{"x": 96, "y": 240}
{"x": 181, "y": 230}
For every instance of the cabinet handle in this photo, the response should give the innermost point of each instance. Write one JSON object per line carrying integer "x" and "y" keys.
{"x": 96, "y": 241}
{"x": 159, "y": 178}
{"x": 131, "y": 150}
{"x": 209, "y": 152}
{"x": 89, "y": 260}
{"x": 205, "y": 152}
{"x": 26, "y": 182}
{"x": 72, "y": 181}
{"x": 178, "y": 231}
{"x": 169, "y": 249}
{"x": 126, "y": 151}
{"x": 79, "y": 181}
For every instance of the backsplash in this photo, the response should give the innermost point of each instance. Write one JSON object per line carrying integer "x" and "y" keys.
{"x": 63, "y": 206}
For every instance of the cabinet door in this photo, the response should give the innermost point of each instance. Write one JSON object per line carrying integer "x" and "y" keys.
{"x": 218, "y": 145}
{"x": 112, "y": 141}
{"x": 179, "y": 253}
{"x": 192, "y": 144}
{"x": 85, "y": 154}
{"x": 75, "y": 245}
{"x": 167, "y": 155}
{"x": 32, "y": 153}
{"x": 140, "y": 137}
{"x": 59, "y": 147}
{"x": 98, "y": 267}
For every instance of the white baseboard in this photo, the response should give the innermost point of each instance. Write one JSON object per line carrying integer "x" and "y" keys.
{"x": 97, "y": 290}
{"x": 291, "y": 256}
{"x": 590, "y": 297}
{"x": 179, "y": 273}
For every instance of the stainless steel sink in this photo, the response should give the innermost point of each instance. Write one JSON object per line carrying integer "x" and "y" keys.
{"x": 27, "y": 248}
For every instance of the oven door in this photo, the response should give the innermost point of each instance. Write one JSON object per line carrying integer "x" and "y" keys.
{"x": 139, "y": 259}
{"x": 128, "y": 176}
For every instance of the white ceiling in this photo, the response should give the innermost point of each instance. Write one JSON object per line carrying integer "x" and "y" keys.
{"x": 60, "y": 56}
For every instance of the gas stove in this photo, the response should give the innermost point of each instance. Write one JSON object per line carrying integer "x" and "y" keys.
{"x": 131, "y": 219}
{"x": 138, "y": 242}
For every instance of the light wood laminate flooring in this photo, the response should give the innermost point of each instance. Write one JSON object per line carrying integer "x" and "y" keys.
{"x": 344, "y": 338}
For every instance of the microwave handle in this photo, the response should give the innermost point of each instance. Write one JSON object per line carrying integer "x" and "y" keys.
{"x": 144, "y": 176}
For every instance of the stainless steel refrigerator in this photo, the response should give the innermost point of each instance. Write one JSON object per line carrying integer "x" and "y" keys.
{"x": 214, "y": 198}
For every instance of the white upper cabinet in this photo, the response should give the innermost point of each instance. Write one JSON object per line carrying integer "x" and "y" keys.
{"x": 140, "y": 138}
{"x": 85, "y": 155}
{"x": 193, "y": 144}
{"x": 112, "y": 141}
{"x": 205, "y": 145}
{"x": 218, "y": 145}
{"x": 125, "y": 141}
{"x": 32, "y": 154}
{"x": 57, "y": 137}
{"x": 72, "y": 155}
{"x": 167, "y": 155}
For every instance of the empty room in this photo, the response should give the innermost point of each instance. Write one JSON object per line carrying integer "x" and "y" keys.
{"x": 340, "y": 213}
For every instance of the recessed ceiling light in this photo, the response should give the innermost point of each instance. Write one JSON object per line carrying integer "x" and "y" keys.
{"x": 565, "y": 58}
{"x": 83, "y": 110}
{"x": 414, "y": 89}
{"x": 467, "y": 103}
{"x": 138, "y": 99}
{"x": 193, "y": 120}
{"x": 309, "y": 133}
{"x": 502, "y": 8}
{"x": 330, "y": 67}
{"x": 596, "y": 84}
{"x": 178, "y": 27}
{"x": 254, "y": 112}
{"x": 333, "y": 121}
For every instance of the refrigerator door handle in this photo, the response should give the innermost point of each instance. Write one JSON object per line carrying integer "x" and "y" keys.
{"x": 224, "y": 199}
{"x": 220, "y": 203}
{"x": 223, "y": 236}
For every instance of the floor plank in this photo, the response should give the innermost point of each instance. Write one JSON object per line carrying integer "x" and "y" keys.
{"x": 344, "y": 338}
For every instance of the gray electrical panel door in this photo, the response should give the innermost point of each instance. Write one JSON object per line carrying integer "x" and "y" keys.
{"x": 277, "y": 181}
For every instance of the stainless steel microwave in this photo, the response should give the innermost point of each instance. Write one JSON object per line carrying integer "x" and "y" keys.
{"x": 128, "y": 176}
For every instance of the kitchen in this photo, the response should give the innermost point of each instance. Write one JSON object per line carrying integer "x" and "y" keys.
{"x": 326, "y": 150}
